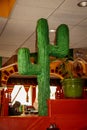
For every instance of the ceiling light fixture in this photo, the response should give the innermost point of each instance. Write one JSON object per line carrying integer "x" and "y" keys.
{"x": 82, "y": 4}
{"x": 52, "y": 30}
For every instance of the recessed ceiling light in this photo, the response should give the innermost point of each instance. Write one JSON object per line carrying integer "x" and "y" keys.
{"x": 82, "y": 4}
{"x": 52, "y": 30}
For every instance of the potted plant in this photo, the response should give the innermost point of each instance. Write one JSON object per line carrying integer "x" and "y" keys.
{"x": 72, "y": 83}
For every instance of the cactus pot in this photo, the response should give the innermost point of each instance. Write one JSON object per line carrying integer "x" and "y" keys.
{"x": 72, "y": 88}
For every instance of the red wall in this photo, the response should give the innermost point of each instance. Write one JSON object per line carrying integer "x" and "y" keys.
{"x": 67, "y": 114}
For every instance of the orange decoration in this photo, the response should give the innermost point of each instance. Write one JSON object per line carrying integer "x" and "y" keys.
{"x": 6, "y": 7}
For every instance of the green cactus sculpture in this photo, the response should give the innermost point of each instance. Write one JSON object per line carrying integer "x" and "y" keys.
{"x": 42, "y": 68}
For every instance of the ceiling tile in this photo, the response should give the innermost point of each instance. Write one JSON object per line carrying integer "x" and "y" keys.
{"x": 17, "y": 31}
{"x": 31, "y": 43}
{"x": 77, "y": 34}
{"x": 2, "y": 23}
{"x": 40, "y": 3}
{"x": 71, "y": 6}
{"x": 24, "y": 13}
{"x": 6, "y": 53}
{"x": 84, "y": 23}
{"x": 80, "y": 44}
{"x": 66, "y": 17}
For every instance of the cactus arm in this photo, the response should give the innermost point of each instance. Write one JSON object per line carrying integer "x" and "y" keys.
{"x": 61, "y": 48}
{"x": 25, "y": 67}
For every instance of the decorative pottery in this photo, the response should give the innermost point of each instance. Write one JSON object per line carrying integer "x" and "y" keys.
{"x": 72, "y": 88}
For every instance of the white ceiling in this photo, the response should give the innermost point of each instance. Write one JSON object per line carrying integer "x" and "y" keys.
{"x": 19, "y": 29}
